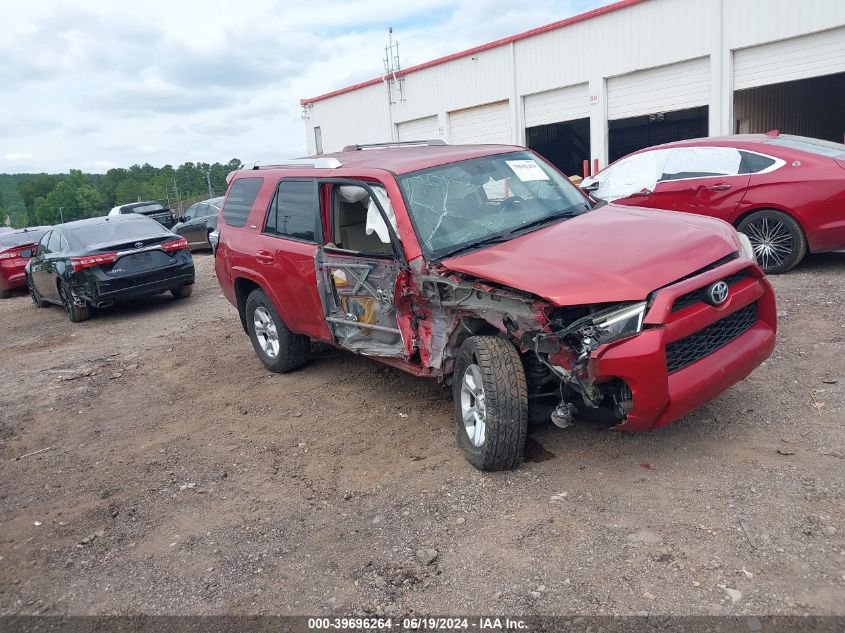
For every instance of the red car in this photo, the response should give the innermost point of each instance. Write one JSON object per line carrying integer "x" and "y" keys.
{"x": 484, "y": 267}
{"x": 16, "y": 247}
{"x": 787, "y": 193}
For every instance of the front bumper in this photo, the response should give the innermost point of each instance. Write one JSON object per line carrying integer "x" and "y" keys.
{"x": 660, "y": 397}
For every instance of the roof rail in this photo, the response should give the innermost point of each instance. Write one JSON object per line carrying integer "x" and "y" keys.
{"x": 317, "y": 163}
{"x": 431, "y": 141}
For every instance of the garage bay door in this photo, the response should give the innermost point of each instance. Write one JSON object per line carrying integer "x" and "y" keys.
{"x": 483, "y": 124}
{"x": 418, "y": 129}
{"x": 554, "y": 106}
{"x": 797, "y": 58}
{"x": 663, "y": 89}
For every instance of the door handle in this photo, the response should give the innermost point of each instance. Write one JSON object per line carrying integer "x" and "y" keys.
{"x": 265, "y": 257}
{"x": 722, "y": 186}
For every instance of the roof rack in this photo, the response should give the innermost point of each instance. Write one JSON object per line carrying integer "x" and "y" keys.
{"x": 431, "y": 141}
{"x": 316, "y": 163}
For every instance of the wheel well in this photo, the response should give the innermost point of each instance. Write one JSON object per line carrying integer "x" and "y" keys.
{"x": 243, "y": 288}
{"x": 784, "y": 211}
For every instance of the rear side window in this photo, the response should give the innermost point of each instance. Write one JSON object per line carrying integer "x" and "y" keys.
{"x": 55, "y": 244}
{"x": 295, "y": 211}
{"x": 754, "y": 163}
{"x": 241, "y": 197}
{"x": 701, "y": 162}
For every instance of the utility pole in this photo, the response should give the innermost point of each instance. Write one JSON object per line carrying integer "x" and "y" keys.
{"x": 208, "y": 180}
{"x": 176, "y": 192}
{"x": 61, "y": 215}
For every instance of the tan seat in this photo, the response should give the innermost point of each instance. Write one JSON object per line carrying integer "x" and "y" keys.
{"x": 350, "y": 229}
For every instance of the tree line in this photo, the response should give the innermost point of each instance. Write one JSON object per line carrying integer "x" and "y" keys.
{"x": 47, "y": 199}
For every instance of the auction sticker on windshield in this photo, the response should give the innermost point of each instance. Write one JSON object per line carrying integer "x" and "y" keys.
{"x": 527, "y": 170}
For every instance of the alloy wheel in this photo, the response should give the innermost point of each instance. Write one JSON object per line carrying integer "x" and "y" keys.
{"x": 473, "y": 406}
{"x": 265, "y": 331}
{"x": 772, "y": 241}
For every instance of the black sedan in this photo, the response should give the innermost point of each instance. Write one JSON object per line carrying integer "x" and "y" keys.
{"x": 199, "y": 220}
{"x": 94, "y": 263}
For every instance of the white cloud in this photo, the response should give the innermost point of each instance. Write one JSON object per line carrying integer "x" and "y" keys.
{"x": 96, "y": 84}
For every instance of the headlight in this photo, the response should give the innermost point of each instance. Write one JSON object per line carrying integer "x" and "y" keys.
{"x": 747, "y": 248}
{"x": 619, "y": 322}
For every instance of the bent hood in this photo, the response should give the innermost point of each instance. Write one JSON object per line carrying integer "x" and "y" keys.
{"x": 616, "y": 253}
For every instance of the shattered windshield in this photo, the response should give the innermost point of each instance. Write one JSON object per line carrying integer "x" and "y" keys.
{"x": 456, "y": 206}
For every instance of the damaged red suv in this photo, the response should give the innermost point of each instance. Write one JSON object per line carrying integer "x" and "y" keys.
{"x": 482, "y": 266}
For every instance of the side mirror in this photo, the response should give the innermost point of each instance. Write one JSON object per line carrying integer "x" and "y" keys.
{"x": 590, "y": 185}
{"x": 182, "y": 218}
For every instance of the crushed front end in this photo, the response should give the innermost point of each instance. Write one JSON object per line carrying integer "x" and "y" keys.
{"x": 649, "y": 363}
{"x": 633, "y": 365}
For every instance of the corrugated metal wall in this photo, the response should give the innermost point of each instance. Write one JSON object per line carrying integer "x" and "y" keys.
{"x": 639, "y": 37}
{"x": 794, "y": 108}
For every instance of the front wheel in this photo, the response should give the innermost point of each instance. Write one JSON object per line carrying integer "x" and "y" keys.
{"x": 778, "y": 240}
{"x": 491, "y": 403}
{"x": 74, "y": 312}
{"x": 278, "y": 348}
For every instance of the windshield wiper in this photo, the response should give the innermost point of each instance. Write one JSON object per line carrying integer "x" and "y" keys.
{"x": 493, "y": 239}
{"x": 567, "y": 213}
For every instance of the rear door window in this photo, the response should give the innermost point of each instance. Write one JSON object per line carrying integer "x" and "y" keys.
{"x": 295, "y": 211}
{"x": 239, "y": 202}
{"x": 701, "y": 162}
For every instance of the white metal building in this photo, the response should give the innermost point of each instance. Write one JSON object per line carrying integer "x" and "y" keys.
{"x": 602, "y": 84}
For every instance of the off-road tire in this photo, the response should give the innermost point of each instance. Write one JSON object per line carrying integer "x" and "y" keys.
{"x": 506, "y": 403}
{"x": 75, "y": 313}
{"x": 294, "y": 349}
{"x": 799, "y": 240}
{"x": 33, "y": 293}
{"x": 182, "y": 291}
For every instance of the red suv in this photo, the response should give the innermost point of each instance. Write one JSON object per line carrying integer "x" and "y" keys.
{"x": 484, "y": 267}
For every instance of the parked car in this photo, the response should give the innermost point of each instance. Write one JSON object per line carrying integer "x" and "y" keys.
{"x": 16, "y": 247}
{"x": 198, "y": 222}
{"x": 151, "y": 208}
{"x": 96, "y": 262}
{"x": 787, "y": 193}
{"x": 484, "y": 267}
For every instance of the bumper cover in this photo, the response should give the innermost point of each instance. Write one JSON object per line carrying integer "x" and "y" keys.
{"x": 660, "y": 397}
{"x": 97, "y": 287}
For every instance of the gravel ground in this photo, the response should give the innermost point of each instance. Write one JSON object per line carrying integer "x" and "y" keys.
{"x": 182, "y": 478}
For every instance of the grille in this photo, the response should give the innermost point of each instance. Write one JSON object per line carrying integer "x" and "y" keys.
{"x": 695, "y": 296}
{"x": 715, "y": 336}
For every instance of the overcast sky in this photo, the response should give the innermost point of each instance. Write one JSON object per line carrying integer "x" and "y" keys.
{"x": 98, "y": 84}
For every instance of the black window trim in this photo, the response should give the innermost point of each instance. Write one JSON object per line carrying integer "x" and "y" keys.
{"x": 318, "y": 227}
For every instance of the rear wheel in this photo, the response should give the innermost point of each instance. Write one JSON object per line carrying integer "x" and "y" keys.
{"x": 5, "y": 294}
{"x": 36, "y": 298}
{"x": 275, "y": 345}
{"x": 491, "y": 403}
{"x": 182, "y": 291}
{"x": 74, "y": 312}
{"x": 778, "y": 240}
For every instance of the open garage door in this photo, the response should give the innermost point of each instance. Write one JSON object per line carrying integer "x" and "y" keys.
{"x": 796, "y": 86}
{"x": 418, "y": 129}
{"x": 489, "y": 123}
{"x": 658, "y": 105}
{"x": 558, "y": 126}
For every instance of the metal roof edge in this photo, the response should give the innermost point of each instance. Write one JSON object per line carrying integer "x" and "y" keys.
{"x": 581, "y": 17}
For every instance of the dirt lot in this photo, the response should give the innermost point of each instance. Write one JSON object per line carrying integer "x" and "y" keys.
{"x": 184, "y": 478}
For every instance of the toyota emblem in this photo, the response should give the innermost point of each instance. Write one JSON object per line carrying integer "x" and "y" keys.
{"x": 138, "y": 244}
{"x": 717, "y": 294}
